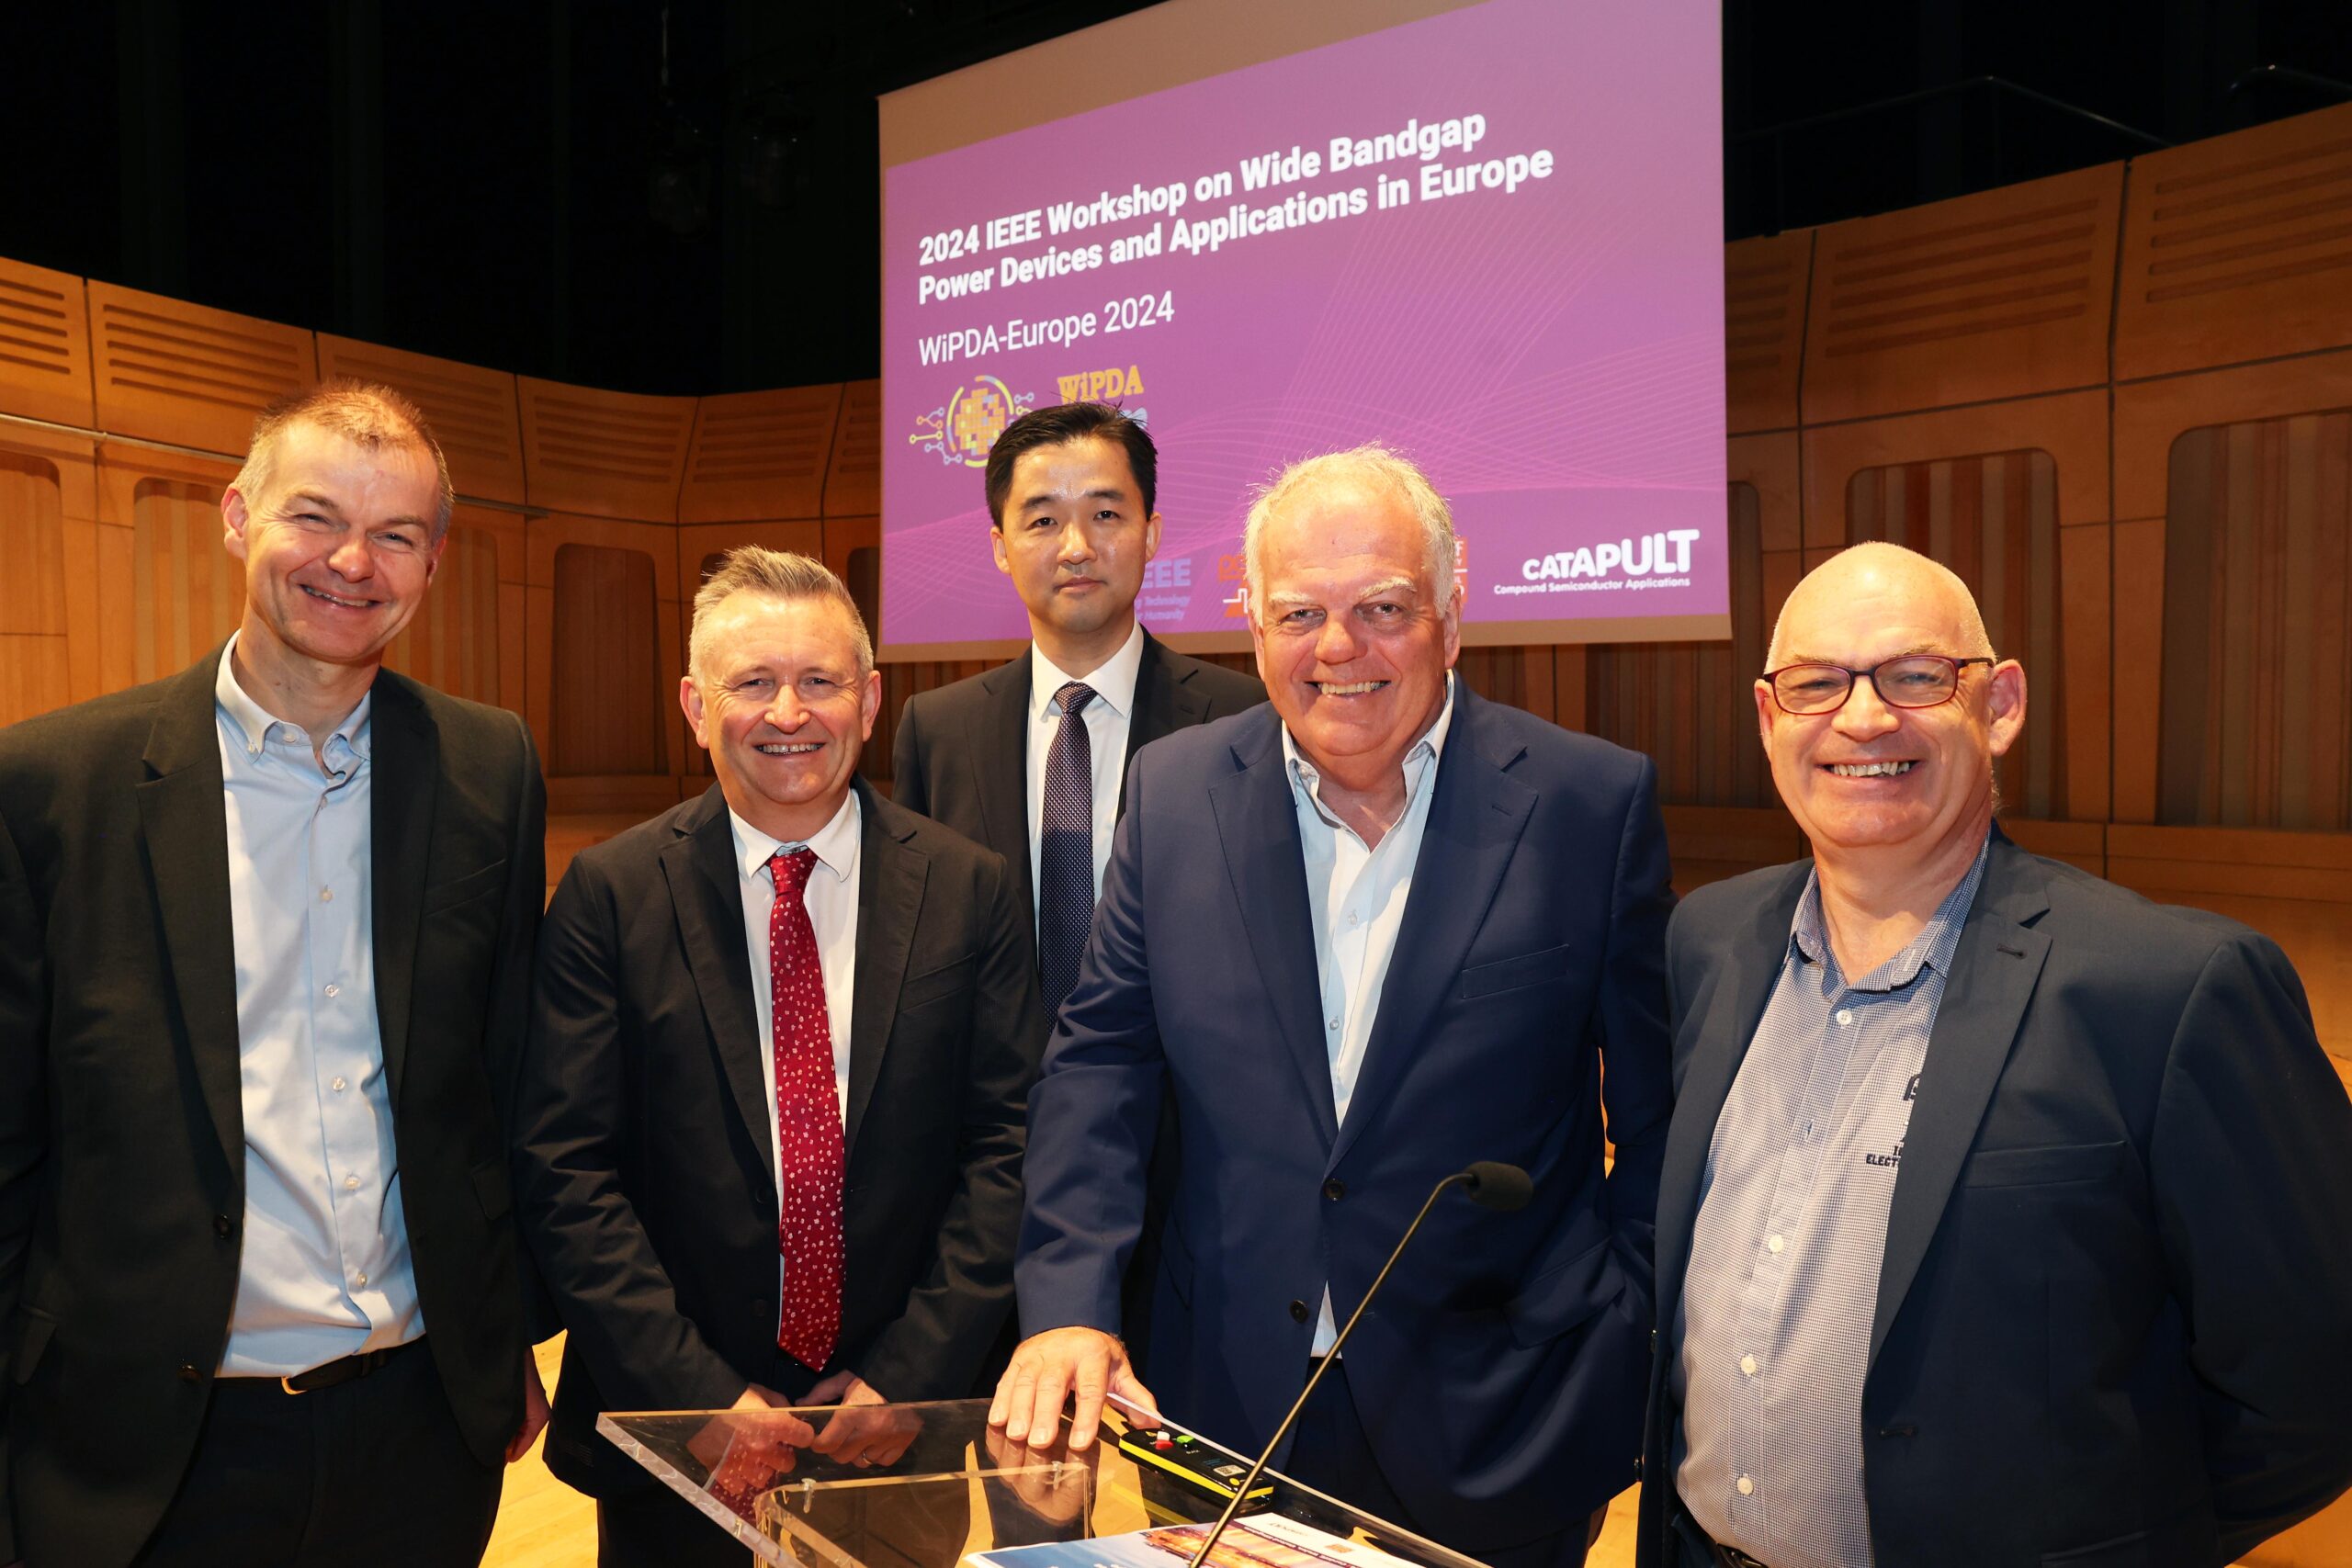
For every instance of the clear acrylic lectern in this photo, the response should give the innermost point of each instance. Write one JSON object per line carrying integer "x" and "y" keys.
{"x": 936, "y": 1483}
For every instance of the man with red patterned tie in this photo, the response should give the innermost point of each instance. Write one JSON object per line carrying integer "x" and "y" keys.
{"x": 772, "y": 1112}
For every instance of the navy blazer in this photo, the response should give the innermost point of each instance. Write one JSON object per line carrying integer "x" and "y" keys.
{"x": 2110, "y": 1325}
{"x": 1500, "y": 1374}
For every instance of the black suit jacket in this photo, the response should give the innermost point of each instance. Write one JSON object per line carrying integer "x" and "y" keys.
{"x": 121, "y": 1125}
{"x": 2112, "y": 1318}
{"x": 642, "y": 1143}
{"x": 962, "y": 754}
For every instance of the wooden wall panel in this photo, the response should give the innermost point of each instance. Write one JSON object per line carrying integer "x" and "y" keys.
{"x": 2087, "y": 685}
{"x": 44, "y": 346}
{"x": 759, "y": 454}
{"x": 2138, "y": 574}
{"x": 606, "y": 716}
{"x": 563, "y": 686}
{"x": 603, "y": 454}
{"x": 2257, "y": 724}
{"x": 844, "y": 537}
{"x": 2004, "y": 294}
{"x": 34, "y": 665}
{"x": 1769, "y": 466}
{"x": 700, "y": 547}
{"x": 2151, "y": 418}
{"x": 1765, "y": 285}
{"x": 32, "y": 547}
{"x": 33, "y": 676}
{"x": 188, "y": 592}
{"x": 167, "y": 370}
{"x": 2235, "y": 248}
{"x": 1711, "y": 842}
{"x": 1994, "y": 520}
{"x": 853, "y": 477}
{"x": 472, "y": 410}
{"x": 1689, "y": 706}
{"x": 451, "y": 643}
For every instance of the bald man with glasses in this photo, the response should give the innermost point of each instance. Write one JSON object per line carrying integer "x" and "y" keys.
{"x": 2003, "y": 1214}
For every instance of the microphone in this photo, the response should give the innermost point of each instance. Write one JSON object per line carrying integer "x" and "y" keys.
{"x": 1490, "y": 1184}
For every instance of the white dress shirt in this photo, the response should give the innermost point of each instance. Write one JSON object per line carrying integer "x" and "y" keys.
{"x": 1106, "y": 718}
{"x": 831, "y": 899}
{"x": 1357, "y": 893}
{"x": 325, "y": 1271}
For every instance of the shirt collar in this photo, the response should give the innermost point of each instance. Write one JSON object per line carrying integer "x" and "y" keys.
{"x": 1307, "y": 781}
{"x": 835, "y": 843}
{"x": 255, "y": 722}
{"x": 1932, "y": 949}
{"x": 1114, "y": 682}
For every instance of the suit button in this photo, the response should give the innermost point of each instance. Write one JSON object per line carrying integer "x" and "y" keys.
{"x": 1298, "y": 1312}
{"x": 1335, "y": 1189}
{"x": 223, "y": 1226}
{"x": 188, "y": 1373}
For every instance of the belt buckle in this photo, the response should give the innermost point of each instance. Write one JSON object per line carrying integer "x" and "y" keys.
{"x": 286, "y": 1383}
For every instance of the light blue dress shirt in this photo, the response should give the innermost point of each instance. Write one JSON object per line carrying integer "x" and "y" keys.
{"x": 325, "y": 1271}
{"x": 1357, "y": 894}
{"x": 1772, "y": 1345}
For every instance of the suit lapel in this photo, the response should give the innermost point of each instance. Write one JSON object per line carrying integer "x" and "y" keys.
{"x": 186, "y": 829}
{"x": 890, "y": 879}
{"x": 1993, "y": 971}
{"x": 707, "y": 894}
{"x": 1750, "y": 967}
{"x": 1257, "y": 827}
{"x": 404, "y": 763}
{"x": 1474, "y": 823}
{"x": 999, "y": 748}
{"x": 1163, "y": 705}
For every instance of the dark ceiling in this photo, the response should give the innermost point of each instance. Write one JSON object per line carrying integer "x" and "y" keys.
{"x": 510, "y": 183}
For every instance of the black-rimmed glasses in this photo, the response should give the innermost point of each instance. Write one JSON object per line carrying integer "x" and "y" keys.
{"x": 1913, "y": 680}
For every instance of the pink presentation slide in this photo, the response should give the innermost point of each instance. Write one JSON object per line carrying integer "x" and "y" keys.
{"x": 1492, "y": 240}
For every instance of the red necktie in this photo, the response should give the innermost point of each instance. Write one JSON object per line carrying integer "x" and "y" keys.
{"x": 807, "y": 1121}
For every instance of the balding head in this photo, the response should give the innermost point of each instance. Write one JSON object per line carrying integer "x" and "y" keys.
{"x": 1892, "y": 795}
{"x": 1880, "y": 571}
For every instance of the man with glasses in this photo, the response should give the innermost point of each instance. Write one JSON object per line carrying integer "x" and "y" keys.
{"x": 2003, "y": 1211}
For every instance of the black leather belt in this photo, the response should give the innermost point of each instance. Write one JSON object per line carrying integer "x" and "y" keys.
{"x": 1733, "y": 1557}
{"x": 328, "y": 1374}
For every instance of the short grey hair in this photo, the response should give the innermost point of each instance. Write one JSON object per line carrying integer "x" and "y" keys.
{"x": 368, "y": 414}
{"x": 781, "y": 575}
{"x": 1373, "y": 466}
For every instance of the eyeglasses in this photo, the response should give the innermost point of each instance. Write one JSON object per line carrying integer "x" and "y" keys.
{"x": 1913, "y": 680}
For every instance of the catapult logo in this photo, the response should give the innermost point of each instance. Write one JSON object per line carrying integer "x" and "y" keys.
{"x": 962, "y": 429}
{"x": 1645, "y": 560}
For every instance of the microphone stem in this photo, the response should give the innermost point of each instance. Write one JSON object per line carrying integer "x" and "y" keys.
{"x": 1240, "y": 1492}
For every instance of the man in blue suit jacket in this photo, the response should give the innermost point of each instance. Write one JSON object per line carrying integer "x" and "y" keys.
{"x": 1372, "y": 932}
{"x": 2004, "y": 1213}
